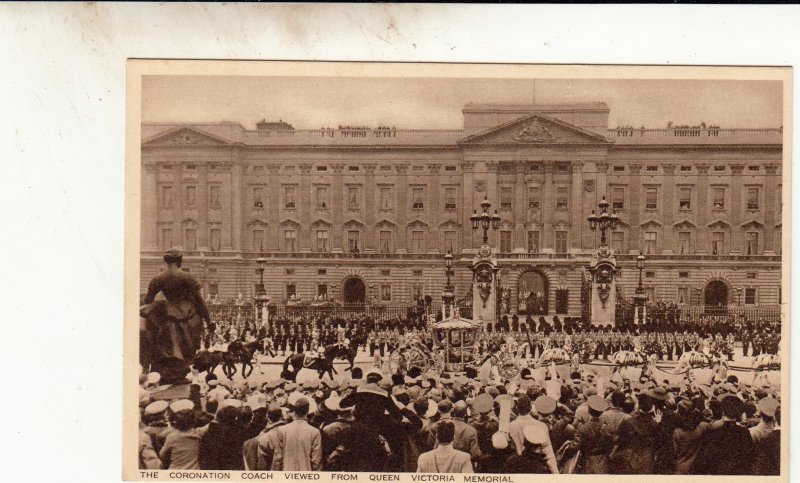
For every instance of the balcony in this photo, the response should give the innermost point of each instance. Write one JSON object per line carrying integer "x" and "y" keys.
{"x": 695, "y": 136}
{"x": 353, "y": 137}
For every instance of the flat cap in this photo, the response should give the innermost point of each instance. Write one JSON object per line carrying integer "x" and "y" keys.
{"x": 156, "y": 407}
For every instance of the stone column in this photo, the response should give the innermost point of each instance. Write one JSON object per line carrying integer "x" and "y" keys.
{"x": 149, "y": 213}
{"x": 520, "y": 209}
{"x": 304, "y": 209}
{"x": 371, "y": 204}
{"x": 467, "y": 204}
{"x": 703, "y": 209}
{"x": 634, "y": 206}
{"x": 202, "y": 209}
{"x": 576, "y": 207}
{"x": 337, "y": 206}
{"x": 737, "y": 188}
{"x": 273, "y": 209}
{"x": 548, "y": 206}
{"x": 669, "y": 208}
{"x": 402, "y": 207}
{"x": 493, "y": 192}
{"x": 237, "y": 198}
{"x": 770, "y": 210}
{"x": 434, "y": 206}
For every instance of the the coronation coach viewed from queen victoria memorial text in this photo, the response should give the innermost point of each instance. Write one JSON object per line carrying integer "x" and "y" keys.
{"x": 365, "y": 272}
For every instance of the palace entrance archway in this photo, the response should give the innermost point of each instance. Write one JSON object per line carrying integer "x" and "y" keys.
{"x": 716, "y": 294}
{"x": 533, "y": 293}
{"x": 354, "y": 291}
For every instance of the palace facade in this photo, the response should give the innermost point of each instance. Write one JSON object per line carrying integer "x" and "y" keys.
{"x": 356, "y": 214}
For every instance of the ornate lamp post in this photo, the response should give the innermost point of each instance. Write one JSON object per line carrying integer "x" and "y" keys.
{"x": 485, "y": 220}
{"x": 448, "y": 296}
{"x": 604, "y": 221}
{"x": 640, "y": 297}
{"x": 261, "y": 294}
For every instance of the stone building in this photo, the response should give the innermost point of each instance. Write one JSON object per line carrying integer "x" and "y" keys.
{"x": 367, "y": 214}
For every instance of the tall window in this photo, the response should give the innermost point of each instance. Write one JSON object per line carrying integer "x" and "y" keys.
{"x": 562, "y": 198}
{"x": 418, "y": 198}
{"x": 289, "y": 240}
{"x": 322, "y": 197}
{"x": 214, "y": 235}
{"x": 533, "y": 242}
{"x": 291, "y": 291}
{"x": 386, "y": 198}
{"x": 166, "y": 197}
{"x": 289, "y": 201}
{"x": 449, "y": 198}
{"x": 651, "y": 198}
{"x": 534, "y": 197}
{"x": 618, "y": 241}
{"x": 258, "y": 240}
{"x": 778, "y": 241}
{"x": 213, "y": 196}
{"x": 718, "y": 203}
{"x": 750, "y": 296}
{"x": 717, "y": 243}
{"x": 417, "y": 290}
{"x": 322, "y": 241}
{"x": 650, "y": 240}
{"x": 353, "y": 198}
{"x": 505, "y": 197}
{"x": 561, "y": 242}
{"x": 166, "y": 238}
{"x": 191, "y": 196}
{"x": 685, "y": 199}
{"x": 417, "y": 241}
{"x": 684, "y": 243}
{"x": 190, "y": 239}
{"x": 385, "y": 241}
{"x": 617, "y": 199}
{"x": 505, "y": 241}
{"x": 322, "y": 290}
{"x": 651, "y": 293}
{"x": 752, "y": 198}
{"x": 258, "y": 197}
{"x": 386, "y": 292}
{"x": 752, "y": 243}
{"x": 450, "y": 240}
{"x": 353, "y": 237}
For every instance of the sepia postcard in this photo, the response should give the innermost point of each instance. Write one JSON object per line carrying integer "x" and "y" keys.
{"x": 455, "y": 272}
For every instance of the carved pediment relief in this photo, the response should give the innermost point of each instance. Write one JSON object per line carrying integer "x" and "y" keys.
{"x": 535, "y": 129}
{"x": 185, "y": 136}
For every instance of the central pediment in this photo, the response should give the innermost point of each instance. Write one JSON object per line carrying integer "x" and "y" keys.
{"x": 186, "y": 136}
{"x": 535, "y": 129}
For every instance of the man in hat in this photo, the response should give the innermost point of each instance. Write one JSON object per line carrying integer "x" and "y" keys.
{"x": 465, "y": 438}
{"x": 766, "y": 438}
{"x": 594, "y": 438}
{"x": 173, "y": 327}
{"x": 444, "y": 458}
{"x": 154, "y": 418}
{"x": 332, "y": 433}
{"x": 484, "y": 422}
{"x": 524, "y": 419}
{"x": 638, "y": 440}
{"x": 298, "y": 445}
{"x": 727, "y": 448}
{"x": 532, "y": 460}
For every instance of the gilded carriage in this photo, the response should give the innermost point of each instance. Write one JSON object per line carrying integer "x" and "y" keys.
{"x": 455, "y": 342}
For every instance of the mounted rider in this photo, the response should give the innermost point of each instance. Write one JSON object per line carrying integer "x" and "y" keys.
{"x": 312, "y": 356}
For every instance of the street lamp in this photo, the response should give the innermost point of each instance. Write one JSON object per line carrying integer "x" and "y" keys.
{"x": 640, "y": 297}
{"x": 261, "y": 263}
{"x": 485, "y": 220}
{"x": 604, "y": 221}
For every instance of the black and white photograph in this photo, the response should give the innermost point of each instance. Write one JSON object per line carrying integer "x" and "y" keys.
{"x": 447, "y": 269}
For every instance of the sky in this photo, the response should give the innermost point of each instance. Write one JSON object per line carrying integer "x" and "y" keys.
{"x": 436, "y": 103}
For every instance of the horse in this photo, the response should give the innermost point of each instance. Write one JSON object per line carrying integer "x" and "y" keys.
{"x": 245, "y": 352}
{"x": 336, "y": 351}
{"x": 206, "y": 361}
{"x": 322, "y": 365}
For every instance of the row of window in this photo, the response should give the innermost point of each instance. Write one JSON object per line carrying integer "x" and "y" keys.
{"x": 386, "y": 197}
{"x": 685, "y": 246}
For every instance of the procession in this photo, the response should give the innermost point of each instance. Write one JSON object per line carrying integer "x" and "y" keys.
{"x": 438, "y": 394}
{"x": 544, "y": 295}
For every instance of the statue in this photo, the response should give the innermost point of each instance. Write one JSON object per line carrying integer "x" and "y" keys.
{"x": 483, "y": 277}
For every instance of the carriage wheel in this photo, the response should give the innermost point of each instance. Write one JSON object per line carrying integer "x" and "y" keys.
{"x": 415, "y": 357}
